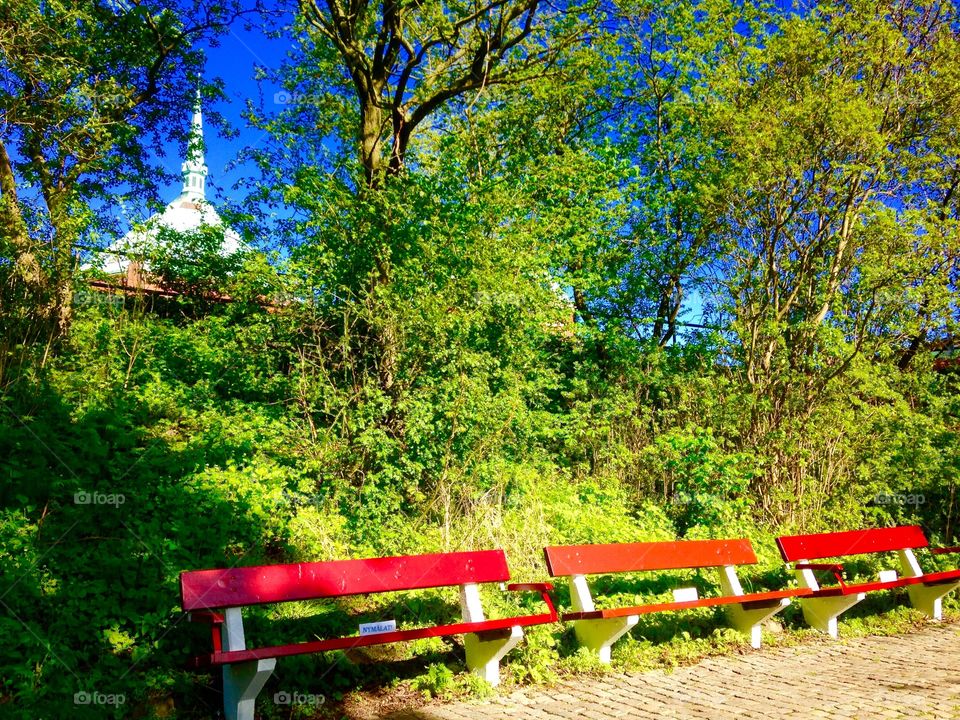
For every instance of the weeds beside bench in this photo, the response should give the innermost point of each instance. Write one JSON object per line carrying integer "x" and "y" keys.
{"x": 218, "y": 596}
{"x": 599, "y": 629}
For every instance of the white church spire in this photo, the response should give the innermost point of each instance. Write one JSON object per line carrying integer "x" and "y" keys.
{"x": 187, "y": 213}
{"x": 194, "y": 169}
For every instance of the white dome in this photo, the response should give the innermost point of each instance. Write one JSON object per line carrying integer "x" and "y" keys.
{"x": 189, "y": 212}
{"x": 185, "y": 214}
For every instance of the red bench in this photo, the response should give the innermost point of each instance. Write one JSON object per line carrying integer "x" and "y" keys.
{"x": 825, "y": 604}
{"x": 599, "y": 629}
{"x": 217, "y": 596}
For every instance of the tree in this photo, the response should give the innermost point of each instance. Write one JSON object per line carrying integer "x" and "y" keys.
{"x": 87, "y": 89}
{"x": 667, "y": 50}
{"x": 839, "y": 130}
{"x": 831, "y": 137}
{"x": 407, "y": 61}
{"x": 381, "y": 75}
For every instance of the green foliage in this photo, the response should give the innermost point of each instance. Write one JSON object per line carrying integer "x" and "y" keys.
{"x": 709, "y": 486}
{"x": 476, "y": 340}
{"x": 436, "y": 681}
{"x": 537, "y": 658}
{"x": 88, "y": 89}
{"x": 192, "y": 262}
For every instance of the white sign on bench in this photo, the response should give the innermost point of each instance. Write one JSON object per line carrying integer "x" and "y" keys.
{"x": 688, "y": 594}
{"x": 375, "y": 628}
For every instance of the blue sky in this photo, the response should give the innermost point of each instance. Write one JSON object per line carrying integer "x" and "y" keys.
{"x": 234, "y": 61}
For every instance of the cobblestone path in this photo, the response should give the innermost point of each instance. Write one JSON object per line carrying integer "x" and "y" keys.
{"x": 916, "y": 675}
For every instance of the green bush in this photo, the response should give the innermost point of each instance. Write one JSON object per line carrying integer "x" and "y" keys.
{"x": 230, "y": 444}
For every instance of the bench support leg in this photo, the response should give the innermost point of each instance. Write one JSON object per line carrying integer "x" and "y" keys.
{"x": 484, "y": 653}
{"x": 747, "y": 617}
{"x": 822, "y": 613}
{"x": 599, "y": 635}
{"x": 928, "y": 598}
{"x": 596, "y": 635}
{"x": 749, "y": 620}
{"x": 242, "y": 683}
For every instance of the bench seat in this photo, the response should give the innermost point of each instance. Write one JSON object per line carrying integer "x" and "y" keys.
{"x": 824, "y": 605}
{"x": 749, "y": 600}
{"x": 217, "y": 597}
{"x": 930, "y": 579}
{"x": 597, "y": 629}
{"x": 488, "y": 629}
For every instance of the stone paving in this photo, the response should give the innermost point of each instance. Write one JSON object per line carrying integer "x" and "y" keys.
{"x": 916, "y": 675}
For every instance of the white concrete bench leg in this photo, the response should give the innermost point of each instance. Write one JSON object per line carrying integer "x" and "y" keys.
{"x": 822, "y": 613}
{"x": 484, "y": 655}
{"x": 749, "y": 620}
{"x": 484, "y": 651}
{"x": 745, "y": 617}
{"x": 929, "y": 598}
{"x": 242, "y": 682}
{"x": 596, "y": 635}
{"x": 599, "y": 635}
{"x": 926, "y": 598}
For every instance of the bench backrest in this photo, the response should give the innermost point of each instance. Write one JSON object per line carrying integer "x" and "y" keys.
{"x": 851, "y": 542}
{"x": 237, "y": 587}
{"x": 629, "y": 557}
